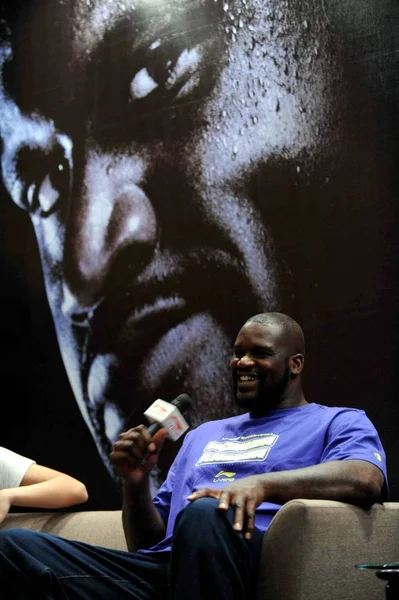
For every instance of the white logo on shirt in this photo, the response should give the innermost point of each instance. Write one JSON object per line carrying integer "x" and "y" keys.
{"x": 255, "y": 449}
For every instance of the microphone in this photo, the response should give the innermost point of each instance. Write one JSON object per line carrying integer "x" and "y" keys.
{"x": 169, "y": 415}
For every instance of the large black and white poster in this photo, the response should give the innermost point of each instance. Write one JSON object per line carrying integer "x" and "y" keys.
{"x": 170, "y": 168}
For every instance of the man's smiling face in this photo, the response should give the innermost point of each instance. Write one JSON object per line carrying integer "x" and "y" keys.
{"x": 260, "y": 366}
{"x": 135, "y": 138}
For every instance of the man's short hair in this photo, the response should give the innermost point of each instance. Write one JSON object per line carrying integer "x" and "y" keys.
{"x": 290, "y": 327}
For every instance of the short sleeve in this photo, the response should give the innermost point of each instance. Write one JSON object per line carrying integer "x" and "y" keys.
{"x": 12, "y": 468}
{"x": 352, "y": 436}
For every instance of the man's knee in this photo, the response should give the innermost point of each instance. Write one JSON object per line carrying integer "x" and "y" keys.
{"x": 201, "y": 517}
{"x": 14, "y": 541}
{"x": 12, "y": 537}
{"x": 203, "y": 509}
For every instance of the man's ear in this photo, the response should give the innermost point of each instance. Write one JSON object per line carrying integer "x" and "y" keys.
{"x": 296, "y": 362}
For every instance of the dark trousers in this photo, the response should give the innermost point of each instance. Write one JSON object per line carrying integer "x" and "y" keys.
{"x": 209, "y": 560}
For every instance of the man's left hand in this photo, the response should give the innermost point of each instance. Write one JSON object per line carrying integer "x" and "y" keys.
{"x": 244, "y": 495}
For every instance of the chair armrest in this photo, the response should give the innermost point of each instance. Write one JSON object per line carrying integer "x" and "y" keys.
{"x": 312, "y": 546}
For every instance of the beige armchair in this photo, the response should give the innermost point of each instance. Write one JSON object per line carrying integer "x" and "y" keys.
{"x": 309, "y": 552}
{"x": 312, "y": 547}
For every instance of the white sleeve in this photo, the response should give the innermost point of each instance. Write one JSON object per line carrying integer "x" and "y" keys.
{"x": 12, "y": 468}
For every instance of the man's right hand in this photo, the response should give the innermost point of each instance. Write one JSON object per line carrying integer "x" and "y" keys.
{"x": 136, "y": 453}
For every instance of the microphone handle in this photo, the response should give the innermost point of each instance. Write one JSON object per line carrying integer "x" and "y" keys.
{"x": 153, "y": 428}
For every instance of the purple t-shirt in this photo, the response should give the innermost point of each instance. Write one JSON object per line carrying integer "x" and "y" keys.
{"x": 220, "y": 452}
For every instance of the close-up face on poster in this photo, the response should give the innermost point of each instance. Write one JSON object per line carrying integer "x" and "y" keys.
{"x": 185, "y": 164}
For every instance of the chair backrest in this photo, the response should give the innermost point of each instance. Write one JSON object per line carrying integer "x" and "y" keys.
{"x": 101, "y": 528}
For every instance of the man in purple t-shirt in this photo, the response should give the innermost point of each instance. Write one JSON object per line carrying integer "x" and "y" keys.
{"x": 201, "y": 536}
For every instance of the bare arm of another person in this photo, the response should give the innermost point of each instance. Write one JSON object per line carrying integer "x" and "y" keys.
{"x": 134, "y": 455}
{"x": 42, "y": 487}
{"x": 355, "y": 481}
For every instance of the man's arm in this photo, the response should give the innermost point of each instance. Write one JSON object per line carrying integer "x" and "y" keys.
{"x": 134, "y": 455}
{"x": 355, "y": 481}
{"x": 43, "y": 488}
{"x": 142, "y": 523}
